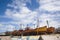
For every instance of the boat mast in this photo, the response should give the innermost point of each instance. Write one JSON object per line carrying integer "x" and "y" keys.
{"x": 37, "y": 24}
{"x": 21, "y": 25}
{"x": 47, "y": 23}
{"x": 34, "y": 26}
{"x": 27, "y": 25}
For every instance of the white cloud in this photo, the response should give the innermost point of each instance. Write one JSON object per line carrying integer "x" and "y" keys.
{"x": 26, "y": 16}
{"x": 0, "y": 25}
{"x": 25, "y": 10}
{"x": 10, "y": 28}
{"x": 50, "y": 5}
{"x": 4, "y": 28}
{"x": 24, "y": 13}
{"x": 51, "y": 18}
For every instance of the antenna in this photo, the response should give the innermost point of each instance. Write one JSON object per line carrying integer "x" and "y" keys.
{"x": 34, "y": 25}
{"x": 47, "y": 23}
{"x": 37, "y": 22}
{"x": 21, "y": 26}
{"x": 27, "y": 25}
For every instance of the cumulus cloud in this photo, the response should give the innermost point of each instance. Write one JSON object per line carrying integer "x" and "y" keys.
{"x": 4, "y": 28}
{"x": 24, "y": 14}
{"x": 21, "y": 14}
{"x": 52, "y": 19}
{"x": 50, "y": 5}
{"x": 10, "y": 28}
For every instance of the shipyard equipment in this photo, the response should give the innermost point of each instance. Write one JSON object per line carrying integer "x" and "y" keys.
{"x": 36, "y": 31}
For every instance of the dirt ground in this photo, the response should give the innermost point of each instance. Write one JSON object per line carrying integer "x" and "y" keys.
{"x": 37, "y": 37}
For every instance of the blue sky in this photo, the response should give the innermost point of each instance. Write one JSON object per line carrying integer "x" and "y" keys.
{"x": 3, "y": 6}
{"x": 16, "y": 12}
